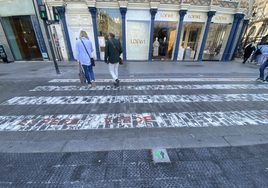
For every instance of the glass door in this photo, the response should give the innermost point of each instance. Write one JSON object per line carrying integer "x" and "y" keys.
{"x": 190, "y": 40}
{"x": 22, "y": 38}
{"x": 216, "y": 41}
{"x": 164, "y": 38}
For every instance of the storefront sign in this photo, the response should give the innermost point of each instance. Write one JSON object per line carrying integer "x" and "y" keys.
{"x": 141, "y": 15}
{"x": 39, "y": 37}
{"x": 167, "y": 16}
{"x": 137, "y": 40}
{"x": 222, "y": 18}
{"x": 195, "y": 17}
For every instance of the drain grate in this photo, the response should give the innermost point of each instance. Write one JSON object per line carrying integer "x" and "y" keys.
{"x": 3, "y": 74}
{"x": 193, "y": 65}
{"x": 67, "y": 65}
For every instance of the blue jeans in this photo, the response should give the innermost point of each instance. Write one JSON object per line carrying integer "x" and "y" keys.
{"x": 262, "y": 68}
{"x": 88, "y": 70}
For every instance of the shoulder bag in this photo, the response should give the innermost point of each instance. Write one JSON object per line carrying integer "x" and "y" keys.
{"x": 91, "y": 59}
{"x": 120, "y": 60}
{"x": 81, "y": 75}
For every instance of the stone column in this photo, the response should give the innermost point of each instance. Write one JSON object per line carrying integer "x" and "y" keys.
{"x": 123, "y": 14}
{"x": 182, "y": 14}
{"x": 228, "y": 48}
{"x": 93, "y": 11}
{"x": 153, "y": 13}
{"x": 210, "y": 15}
{"x": 61, "y": 11}
{"x": 239, "y": 39}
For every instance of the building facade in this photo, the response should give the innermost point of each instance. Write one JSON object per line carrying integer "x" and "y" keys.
{"x": 176, "y": 30}
{"x": 21, "y": 31}
{"x": 257, "y": 28}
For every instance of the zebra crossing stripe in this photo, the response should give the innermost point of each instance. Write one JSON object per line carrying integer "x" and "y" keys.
{"x": 25, "y": 100}
{"x": 151, "y": 87}
{"x": 159, "y": 80}
{"x": 116, "y": 121}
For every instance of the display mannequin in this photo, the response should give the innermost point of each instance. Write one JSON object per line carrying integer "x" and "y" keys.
{"x": 156, "y": 47}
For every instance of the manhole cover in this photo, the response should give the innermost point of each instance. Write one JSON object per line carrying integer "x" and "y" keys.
{"x": 193, "y": 65}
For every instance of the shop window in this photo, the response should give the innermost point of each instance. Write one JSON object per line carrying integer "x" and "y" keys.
{"x": 164, "y": 38}
{"x": 22, "y": 38}
{"x": 108, "y": 20}
{"x": 216, "y": 41}
{"x": 190, "y": 40}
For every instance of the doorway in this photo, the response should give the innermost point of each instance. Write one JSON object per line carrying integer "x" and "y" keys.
{"x": 190, "y": 40}
{"x": 164, "y": 37}
{"x": 21, "y": 35}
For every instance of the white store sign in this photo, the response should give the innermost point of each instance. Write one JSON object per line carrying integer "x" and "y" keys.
{"x": 222, "y": 18}
{"x": 195, "y": 17}
{"x": 137, "y": 40}
{"x": 167, "y": 16}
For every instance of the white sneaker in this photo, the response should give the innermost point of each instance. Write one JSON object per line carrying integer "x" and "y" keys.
{"x": 93, "y": 83}
{"x": 89, "y": 86}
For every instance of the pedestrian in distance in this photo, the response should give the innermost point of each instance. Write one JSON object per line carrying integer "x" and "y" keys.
{"x": 83, "y": 53}
{"x": 113, "y": 50}
{"x": 249, "y": 48}
{"x": 262, "y": 68}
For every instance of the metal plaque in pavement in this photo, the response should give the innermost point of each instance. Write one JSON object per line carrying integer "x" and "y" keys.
{"x": 160, "y": 156}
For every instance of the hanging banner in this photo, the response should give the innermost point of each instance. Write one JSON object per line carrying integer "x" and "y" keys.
{"x": 137, "y": 40}
{"x": 39, "y": 38}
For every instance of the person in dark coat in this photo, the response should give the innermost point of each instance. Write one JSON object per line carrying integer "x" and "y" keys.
{"x": 113, "y": 50}
{"x": 248, "y": 50}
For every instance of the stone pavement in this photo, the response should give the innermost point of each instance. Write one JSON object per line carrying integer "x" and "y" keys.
{"x": 184, "y": 105}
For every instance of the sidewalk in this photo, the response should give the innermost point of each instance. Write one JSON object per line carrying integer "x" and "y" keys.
{"x": 154, "y": 69}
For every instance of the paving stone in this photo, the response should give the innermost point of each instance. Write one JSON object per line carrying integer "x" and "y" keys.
{"x": 44, "y": 136}
{"x": 34, "y": 147}
{"x": 242, "y": 140}
{"x": 205, "y": 141}
{"x": 93, "y": 145}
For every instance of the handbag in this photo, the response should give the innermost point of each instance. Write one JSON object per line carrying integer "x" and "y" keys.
{"x": 120, "y": 59}
{"x": 258, "y": 51}
{"x": 91, "y": 59}
{"x": 82, "y": 75}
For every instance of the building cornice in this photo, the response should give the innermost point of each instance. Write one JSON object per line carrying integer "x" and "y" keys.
{"x": 54, "y": 3}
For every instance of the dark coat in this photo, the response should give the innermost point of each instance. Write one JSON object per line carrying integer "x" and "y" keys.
{"x": 248, "y": 50}
{"x": 111, "y": 55}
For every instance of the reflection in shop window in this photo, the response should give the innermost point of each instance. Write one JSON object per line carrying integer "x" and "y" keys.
{"x": 108, "y": 20}
{"x": 216, "y": 41}
{"x": 164, "y": 37}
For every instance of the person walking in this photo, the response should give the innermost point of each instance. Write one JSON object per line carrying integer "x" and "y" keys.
{"x": 248, "y": 50}
{"x": 83, "y": 54}
{"x": 264, "y": 54}
{"x": 113, "y": 50}
{"x": 262, "y": 68}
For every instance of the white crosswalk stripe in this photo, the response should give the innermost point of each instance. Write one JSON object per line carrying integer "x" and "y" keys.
{"x": 109, "y": 121}
{"x": 151, "y": 87}
{"x": 102, "y": 119}
{"x": 134, "y": 99}
{"x": 161, "y": 80}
